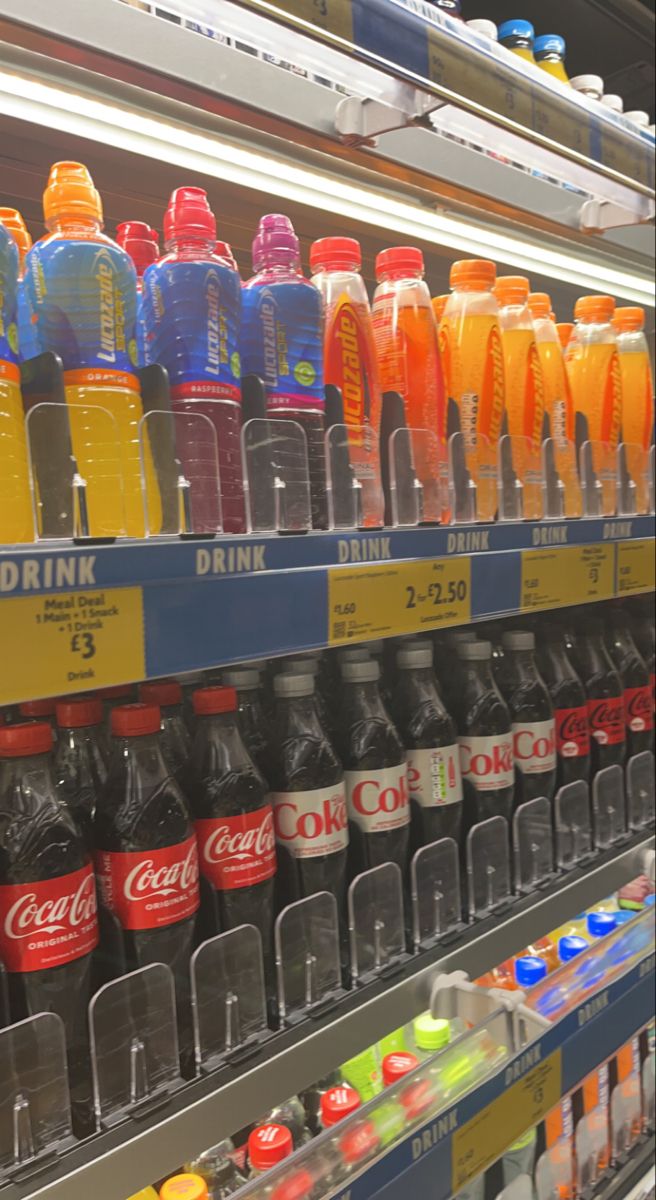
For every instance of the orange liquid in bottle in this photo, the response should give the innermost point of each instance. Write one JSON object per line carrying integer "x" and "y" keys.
{"x": 595, "y": 381}
{"x": 637, "y": 397}
{"x": 557, "y": 401}
{"x": 524, "y": 383}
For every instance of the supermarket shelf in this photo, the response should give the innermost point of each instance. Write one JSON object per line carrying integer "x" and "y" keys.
{"x": 165, "y": 606}
{"x": 125, "y": 1158}
{"x": 634, "y": 1180}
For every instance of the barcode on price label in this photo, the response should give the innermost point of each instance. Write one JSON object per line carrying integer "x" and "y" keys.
{"x": 635, "y": 567}
{"x": 570, "y": 575}
{"x": 384, "y": 601}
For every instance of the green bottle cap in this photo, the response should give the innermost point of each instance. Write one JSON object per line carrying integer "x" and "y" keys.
{"x": 431, "y": 1034}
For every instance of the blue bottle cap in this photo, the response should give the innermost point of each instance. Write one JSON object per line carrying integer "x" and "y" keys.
{"x": 569, "y": 947}
{"x": 529, "y": 971}
{"x": 650, "y": 900}
{"x": 623, "y": 916}
{"x": 550, "y": 43}
{"x": 516, "y": 29}
{"x": 601, "y": 923}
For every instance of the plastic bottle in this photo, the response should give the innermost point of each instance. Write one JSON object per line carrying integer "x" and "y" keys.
{"x": 81, "y": 298}
{"x": 233, "y": 821}
{"x": 472, "y": 358}
{"x": 253, "y": 720}
{"x": 39, "y": 710}
{"x": 375, "y": 772}
{"x": 282, "y": 342}
{"x": 184, "y": 1187}
{"x": 268, "y": 1145}
{"x": 570, "y": 946}
{"x": 308, "y": 795}
{"x": 191, "y": 311}
{"x": 114, "y": 697}
{"x": 338, "y": 1104}
{"x": 176, "y": 743}
{"x": 485, "y": 738}
{"x": 614, "y": 103}
{"x": 16, "y": 517}
{"x": 565, "y": 329}
{"x": 591, "y": 86}
{"x": 407, "y": 348}
{"x": 546, "y": 949}
{"x": 45, "y": 868}
{"x": 13, "y": 222}
{"x": 530, "y": 970}
{"x": 431, "y": 743}
{"x": 430, "y": 1035}
{"x": 311, "y": 1099}
{"x": 349, "y": 348}
{"x": 638, "y": 709}
{"x": 518, "y": 36}
{"x": 142, "y": 244}
{"x": 637, "y": 379}
{"x": 595, "y": 378}
{"x": 81, "y": 757}
{"x": 523, "y": 372}
{"x": 550, "y": 52}
{"x": 439, "y": 304}
{"x": 397, "y": 1066}
{"x": 533, "y": 725}
{"x": 605, "y": 695}
{"x": 486, "y": 28}
{"x": 570, "y": 707}
{"x": 638, "y": 118}
{"x": 557, "y": 397}
{"x": 219, "y": 1170}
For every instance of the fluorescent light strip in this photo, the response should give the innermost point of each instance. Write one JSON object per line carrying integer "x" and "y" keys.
{"x": 125, "y": 129}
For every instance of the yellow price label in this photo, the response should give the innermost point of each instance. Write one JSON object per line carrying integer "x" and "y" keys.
{"x": 382, "y": 601}
{"x": 636, "y": 567}
{"x": 571, "y": 575}
{"x": 71, "y": 642}
{"x": 521, "y": 1107}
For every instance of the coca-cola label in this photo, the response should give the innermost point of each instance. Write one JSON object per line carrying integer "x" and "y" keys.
{"x": 487, "y": 762}
{"x": 534, "y": 746}
{"x": 312, "y": 824}
{"x": 638, "y": 709}
{"x": 606, "y": 718}
{"x": 48, "y": 923}
{"x": 148, "y": 889}
{"x": 237, "y": 852}
{"x": 378, "y": 800}
{"x": 572, "y": 732}
{"x": 434, "y": 776}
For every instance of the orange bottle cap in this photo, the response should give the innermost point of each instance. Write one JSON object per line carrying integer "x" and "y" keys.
{"x": 512, "y": 289}
{"x": 565, "y": 331}
{"x": 477, "y": 273}
{"x": 594, "y": 308}
{"x": 439, "y": 304}
{"x": 14, "y": 223}
{"x": 539, "y": 304}
{"x": 184, "y": 1187}
{"x": 624, "y": 319}
{"x": 70, "y": 192}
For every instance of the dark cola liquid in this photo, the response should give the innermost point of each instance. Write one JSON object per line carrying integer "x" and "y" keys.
{"x": 175, "y": 742}
{"x": 80, "y": 771}
{"x": 638, "y": 707}
{"x": 485, "y": 737}
{"x": 570, "y": 710}
{"x": 533, "y": 727}
{"x": 254, "y": 727}
{"x": 434, "y": 779}
{"x": 605, "y": 698}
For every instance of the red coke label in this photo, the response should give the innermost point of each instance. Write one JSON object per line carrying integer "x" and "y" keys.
{"x": 638, "y": 709}
{"x": 378, "y": 800}
{"x": 48, "y": 923}
{"x": 488, "y": 762}
{"x": 606, "y": 718}
{"x": 534, "y": 746}
{"x": 237, "y": 852}
{"x": 652, "y": 684}
{"x": 313, "y": 823}
{"x": 572, "y": 732}
{"x": 149, "y": 889}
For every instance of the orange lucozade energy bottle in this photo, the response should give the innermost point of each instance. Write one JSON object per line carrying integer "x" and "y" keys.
{"x": 81, "y": 297}
{"x": 405, "y": 334}
{"x": 523, "y": 372}
{"x": 557, "y": 401}
{"x": 16, "y": 515}
{"x": 595, "y": 380}
{"x": 564, "y": 329}
{"x": 637, "y": 380}
{"x": 472, "y": 360}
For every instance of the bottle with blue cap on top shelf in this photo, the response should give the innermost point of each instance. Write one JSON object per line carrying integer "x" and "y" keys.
{"x": 519, "y": 37}
{"x": 530, "y": 970}
{"x": 601, "y": 923}
{"x": 549, "y": 53}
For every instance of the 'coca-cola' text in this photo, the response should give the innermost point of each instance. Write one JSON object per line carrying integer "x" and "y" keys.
{"x": 488, "y": 762}
{"x": 49, "y": 922}
{"x": 148, "y": 889}
{"x": 237, "y": 852}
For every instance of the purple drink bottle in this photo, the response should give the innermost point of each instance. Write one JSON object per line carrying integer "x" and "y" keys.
{"x": 282, "y": 342}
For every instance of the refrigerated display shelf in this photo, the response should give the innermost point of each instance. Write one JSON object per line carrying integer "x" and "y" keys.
{"x": 79, "y": 617}
{"x": 633, "y": 1179}
{"x": 154, "y": 1141}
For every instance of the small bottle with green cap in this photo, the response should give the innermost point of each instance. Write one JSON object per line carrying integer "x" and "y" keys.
{"x": 431, "y": 1034}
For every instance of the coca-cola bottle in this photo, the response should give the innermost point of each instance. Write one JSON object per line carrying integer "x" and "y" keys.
{"x": 146, "y": 858}
{"x": 175, "y": 740}
{"x": 638, "y": 709}
{"x": 375, "y": 772}
{"x": 253, "y": 720}
{"x": 447, "y": 664}
{"x": 484, "y": 737}
{"x": 431, "y": 744}
{"x": 533, "y": 725}
{"x": 308, "y": 666}
{"x": 570, "y": 708}
{"x": 643, "y": 628}
{"x": 114, "y": 697}
{"x": 233, "y": 821}
{"x": 39, "y": 710}
{"x": 309, "y": 797}
{"x": 605, "y": 696}
{"x": 81, "y": 756}
{"x": 48, "y": 915}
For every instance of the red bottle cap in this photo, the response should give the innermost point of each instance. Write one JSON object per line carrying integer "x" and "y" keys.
{"x": 397, "y": 1066}
{"x": 336, "y": 253}
{"x": 359, "y": 1144}
{"x": 298, "y": 1187}
{"x": 124, "y": 691}
{"x": 418, "y": 1098}
{"x": 338, "y": 1103}
{"x": 140, "y": 242}
{"x": 208, "y": 701}
{"x": 268, "y": 1145}
{"x": 79, "y": 712}
{"x": 135, "y": 720}
{"x": 189, "y": 213}
{"x": 164, "y": 692}
{"x": 399, "y": 259}
{"x": 35, "y": 737}
{"x": 37, "y": 708}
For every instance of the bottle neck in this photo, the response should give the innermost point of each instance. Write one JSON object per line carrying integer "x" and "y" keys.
{"x": 364, "y": 698}
{"x": 221, "y": 731}
{"x": 72, "y": 224}
{"x": 277, "y": 266}
{"x": 522, "y": 664}
{"x": 298, "y": 715}
{"x": 479, "y": 676}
